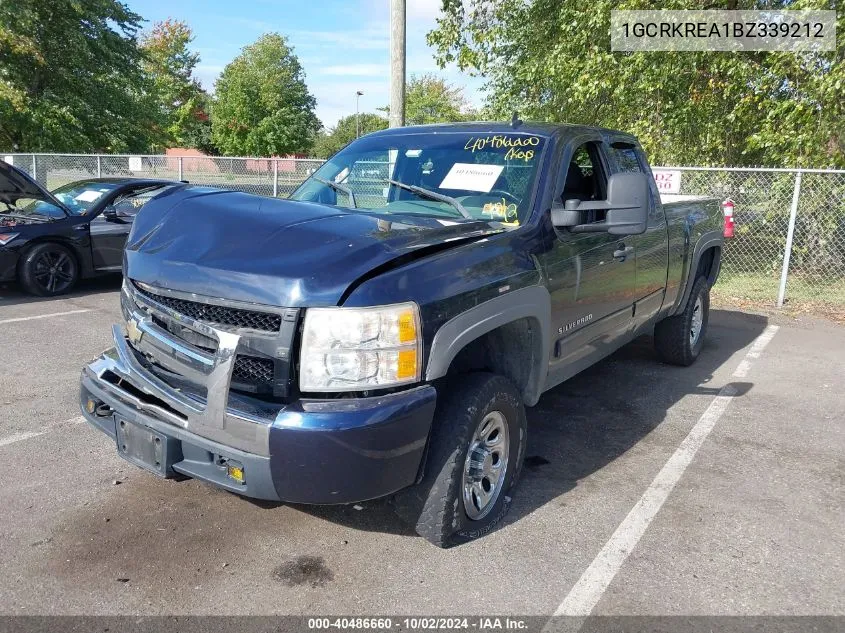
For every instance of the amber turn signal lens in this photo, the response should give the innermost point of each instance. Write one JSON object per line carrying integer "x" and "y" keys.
{"x": 236, "y": 472}
{"x": 407, "y": 364}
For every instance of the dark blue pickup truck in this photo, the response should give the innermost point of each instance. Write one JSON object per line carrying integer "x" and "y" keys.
{"x": 381, "y": 332}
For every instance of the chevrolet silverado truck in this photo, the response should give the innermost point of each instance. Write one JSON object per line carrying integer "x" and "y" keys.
{"x": 380, "y": 333}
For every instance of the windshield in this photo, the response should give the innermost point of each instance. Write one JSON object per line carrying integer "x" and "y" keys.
{"x": 489, "y": 176}
{"x": 80, "y": 197}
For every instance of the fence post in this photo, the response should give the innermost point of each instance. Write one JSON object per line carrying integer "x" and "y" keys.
{"x": 179, "y": 161}
{"x": 34, "y": 168}
{"x": 275, "y": 178}
{"x": 790, "y": 234}
{"x": 99, "y": 167}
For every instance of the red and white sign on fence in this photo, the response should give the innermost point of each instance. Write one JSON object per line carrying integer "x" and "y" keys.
{"x": 668, "y": 180}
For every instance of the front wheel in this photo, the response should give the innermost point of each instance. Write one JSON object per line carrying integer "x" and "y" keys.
{"x": 476, "y": 451}
{"x": 48, "y": 269}
{"x": 679, "y": 339}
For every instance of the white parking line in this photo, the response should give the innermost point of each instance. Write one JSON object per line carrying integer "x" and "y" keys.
{"x": 26, "y": 435}
{"x": 756, "y": 347}
{"x": 586, "y": 593}
{"x": 43, "y": 316}
{"x": 17, "y": 437}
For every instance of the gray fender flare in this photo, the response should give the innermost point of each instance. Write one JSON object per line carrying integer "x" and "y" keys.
{"x": 706, "y": 241}
{"x": 532, "y": 302}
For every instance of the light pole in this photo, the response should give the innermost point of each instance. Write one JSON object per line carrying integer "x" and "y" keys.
{"x": 397, "y": 63}
{"x": 357, "y": 114}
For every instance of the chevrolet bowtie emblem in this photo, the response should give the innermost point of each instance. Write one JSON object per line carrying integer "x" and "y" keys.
{"x": 132, "y": 331}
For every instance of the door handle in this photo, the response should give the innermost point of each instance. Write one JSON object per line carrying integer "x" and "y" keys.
{"x": 622, "y": 252}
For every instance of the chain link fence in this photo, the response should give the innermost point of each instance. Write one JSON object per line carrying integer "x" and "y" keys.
{"x": 263, "y": 176}
{"x": 789, "y": 238}
{"x": 789, "y": 241}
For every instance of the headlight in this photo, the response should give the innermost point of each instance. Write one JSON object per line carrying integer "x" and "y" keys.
{"x": 353, "y": 349}
{"x": 5, "y": 238}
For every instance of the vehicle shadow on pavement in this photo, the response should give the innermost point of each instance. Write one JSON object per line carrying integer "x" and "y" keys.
{"x": 12, "y": 294}
{"x": 589, "y": 421}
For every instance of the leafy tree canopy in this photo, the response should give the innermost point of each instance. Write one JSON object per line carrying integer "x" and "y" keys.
{"x": 332, "y": 141}
{"x": 262, "y": 106}
{"x": 182, "y": 102}
{"x": 430, "y": 99}
{"x": 550, "y": 60}
{"x": 71, "y": 78}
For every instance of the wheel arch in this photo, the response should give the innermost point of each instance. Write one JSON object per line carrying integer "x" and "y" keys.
{"x": 509, "y": 335}
{"x": 707, "y": 258}
{"x": 83, "y": 266}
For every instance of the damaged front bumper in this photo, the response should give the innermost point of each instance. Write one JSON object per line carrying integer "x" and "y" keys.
{"x": 307, "y": 451}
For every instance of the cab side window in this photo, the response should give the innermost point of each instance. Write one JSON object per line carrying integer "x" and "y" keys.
{"x": 586, "y": 179}
{"x": 630, "y": 158}
{"x": 625, "y": 156}
{"x": 132, "y": 201}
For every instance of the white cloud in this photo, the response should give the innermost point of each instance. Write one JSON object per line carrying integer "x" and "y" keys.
{"x": 207, "y": 74}
{"x": 367, "y": 39}
{"x": 423, "y": 10}
{"x": 358, "y": 70}
{"x": 257, "y": 25}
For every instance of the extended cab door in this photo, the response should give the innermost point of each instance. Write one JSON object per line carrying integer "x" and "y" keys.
{"x": 590, "y": 276}
{"x": 652, "y": 247}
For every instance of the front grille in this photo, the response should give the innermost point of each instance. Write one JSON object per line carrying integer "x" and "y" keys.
{"x": 252, "y": 369}
{"x": 219, "y": 315}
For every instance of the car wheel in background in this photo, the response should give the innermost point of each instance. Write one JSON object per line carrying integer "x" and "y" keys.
{"x": 48, "y": 269}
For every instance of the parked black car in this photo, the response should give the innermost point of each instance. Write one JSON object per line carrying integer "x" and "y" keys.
{"x": 48, "y": 241}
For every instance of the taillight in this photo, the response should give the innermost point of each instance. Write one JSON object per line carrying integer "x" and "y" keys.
{"x": 728, "y": 213}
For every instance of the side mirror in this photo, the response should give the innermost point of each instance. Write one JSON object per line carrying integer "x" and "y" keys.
{"x": 116, "y": 215}
{"x": 627, "y": 207}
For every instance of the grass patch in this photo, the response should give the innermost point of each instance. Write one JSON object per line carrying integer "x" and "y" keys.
{"x": 750, "y": 291}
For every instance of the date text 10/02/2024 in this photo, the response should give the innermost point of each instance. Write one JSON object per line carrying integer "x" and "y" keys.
{"x": 482, "y": 623}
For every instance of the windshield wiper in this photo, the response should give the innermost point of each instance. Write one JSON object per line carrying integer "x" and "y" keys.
{"x": 433, "y": 195}
{"x": 338, "y": 187}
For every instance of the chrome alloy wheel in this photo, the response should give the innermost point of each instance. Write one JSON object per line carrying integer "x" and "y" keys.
{"x": 486, "y": 465}
{"x": 697, "y": 322}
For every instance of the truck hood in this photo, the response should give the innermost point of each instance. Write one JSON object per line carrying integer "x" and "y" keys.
{"x": 276, "y": 252}
{"x": 16, "y": 184}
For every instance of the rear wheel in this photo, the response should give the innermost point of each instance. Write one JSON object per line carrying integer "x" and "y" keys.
{"x": 679, "y": 339}
{"x": 475, "y": 455}
{"x": 48, "y": 269}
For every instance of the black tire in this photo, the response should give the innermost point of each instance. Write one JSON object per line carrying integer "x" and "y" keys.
{"x": 436, "y": 507}
{"x": 673, "y": 337}
{"x": 48, "y": 269}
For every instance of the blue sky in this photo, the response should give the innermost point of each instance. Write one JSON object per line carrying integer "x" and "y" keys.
{"x": 342, "y": 44}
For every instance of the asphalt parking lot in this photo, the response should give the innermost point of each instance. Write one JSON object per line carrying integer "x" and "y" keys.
{"x": 617, "y": 513}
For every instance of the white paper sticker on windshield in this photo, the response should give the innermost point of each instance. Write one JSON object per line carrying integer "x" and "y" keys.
{"x": 472, "y": 177}
{"x": 88, "y": 196}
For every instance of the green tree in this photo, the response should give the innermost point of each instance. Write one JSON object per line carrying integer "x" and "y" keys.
{"x": 71, "y": 78}
{"x": 430, "y": 99}
{"x": 262, "y": 106}
{"x": 551, "y": 60}
{"x": 170, "y": 66}
{"x": 331, "y": 141}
